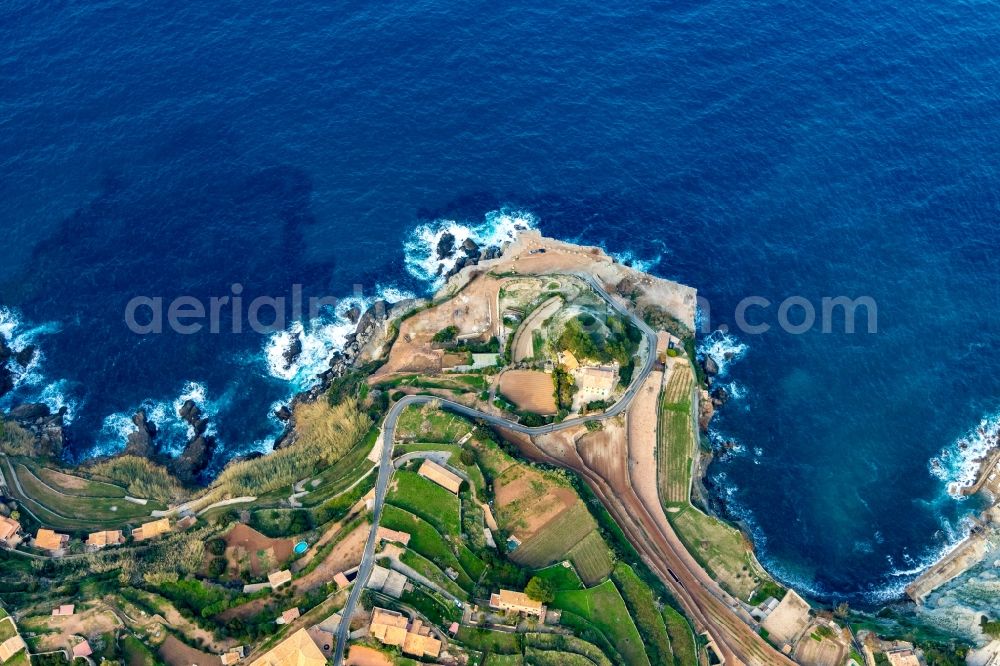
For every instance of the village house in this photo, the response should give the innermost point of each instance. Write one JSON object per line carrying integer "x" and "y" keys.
{"x": 596, "y": 382}
{"x": 518, "y": 602}
{"x": 51, "y": 541}
{"x": 395, "y": 536}
{"x": 902, "y": 658}
{"x": 82, "y": 649}
{"x": 151, "y": 529}
{"x": 440, "y": 475}
{"x": 63, "y": 611}
{"x": 279, "y": 578}
{"x": 103, "y": 539}
{"x": 10, "y": 532}
{"x": 296, "y": 650}
{"x": 289, "y": 615}
{"x": 392, "y": 628}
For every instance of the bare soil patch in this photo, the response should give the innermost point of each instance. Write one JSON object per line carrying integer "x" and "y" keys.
{"x": 366, "y": 656}
{"x": 531, "y": 390}
{"x": 262, "y": 554}
{"x": 176, "y": 653}
{"x": 526, "y": 501}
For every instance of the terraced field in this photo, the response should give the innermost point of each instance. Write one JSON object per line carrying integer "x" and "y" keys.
{"x": 604, "y": 608}
{"x": 675, "y": 447}
{"x": 592, "y": 558}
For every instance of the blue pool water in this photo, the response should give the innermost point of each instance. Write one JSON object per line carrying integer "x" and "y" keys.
{"x": 770, "y": 149}
{"x": 301, "y": 547}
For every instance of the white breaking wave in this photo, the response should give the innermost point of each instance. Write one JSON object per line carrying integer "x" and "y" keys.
{"x": 958, "y": 464}
{"x": 628, "y": 258}
{"x": 172, "y": 431}
{"x": 320, "y": 338}
{"x": 57, "y": 395}
{"x": 497, "y": 228}
{"x": 29, "y": 382}
{"x": 724, "y": 348}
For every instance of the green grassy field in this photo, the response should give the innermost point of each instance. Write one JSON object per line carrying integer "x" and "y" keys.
{"x": 641, "y": 604}
{"x": 675, "y": 447}
{"x": 7, "y": 629}
{"x": 537, "y": 657}
{"x": 481, "y": 639}
{"x": 720, "y": 548}
{"x": 425, "y": 540}
{"x": 681, "y": 637}
{"x": 592, "y": 558}
{"x": 567, "y": 645}
{"x": 70, "y": 484}
{"x": 455, "y": 460}
{"x": 604, "y": 607}
{"x": 426, "y": 499}
{"x": 80, "y": 507}
{"x": 135, "y": 653}
{"x": 429, "y": 570}
{"x": 561, "y": 578}
{"x": 431, "y": 425}
{"x": 503, "y": 660}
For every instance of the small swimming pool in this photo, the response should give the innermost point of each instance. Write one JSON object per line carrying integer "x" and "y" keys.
{"x": 301, "y": 547}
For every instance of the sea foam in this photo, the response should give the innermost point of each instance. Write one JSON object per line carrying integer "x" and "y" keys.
{"x": 497, "y": 228}
{"x": 724, "y": 348}
{"x": 958, "y": 464}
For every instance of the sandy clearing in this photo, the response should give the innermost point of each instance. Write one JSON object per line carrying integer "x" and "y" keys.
{"x": 642, "y": 419}
{"x": 528, "y": 502}
{"x": 366, "y": 656}
{"x": 531, "y": 390}
{"x": 62, "y": 480}
{"x": 524, "y": 344}
{"x": 89, "y": 623}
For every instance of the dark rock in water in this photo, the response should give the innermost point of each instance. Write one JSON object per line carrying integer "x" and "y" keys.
{"x": 353, "y": 314}
{"x": 720, "y": 396}
{"x": 29, "y": 413}
{"x": 189, "y": 412}
{"x": 193, "y": 459}
{"x": 446, "y": 245}
{"x": 25, "y": 356}
{"x": 140, "y": 441}
{"x": 293, "y": 352}
{"x": 710, "y": 366}
{"x": 471, "y": 247}
{"x": 6, "y": 379}
{"x": 283, "y": 413}
{"x": 5, "y": 351}
{"x": 200, "y": 426}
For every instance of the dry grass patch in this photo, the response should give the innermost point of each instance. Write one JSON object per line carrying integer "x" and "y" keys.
{"x": 592, "y": 558}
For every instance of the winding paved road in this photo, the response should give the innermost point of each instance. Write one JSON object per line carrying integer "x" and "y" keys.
{"x": 706, "y": 614}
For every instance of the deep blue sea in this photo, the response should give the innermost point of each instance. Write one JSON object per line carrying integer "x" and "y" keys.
{"x": 768, "y": 149}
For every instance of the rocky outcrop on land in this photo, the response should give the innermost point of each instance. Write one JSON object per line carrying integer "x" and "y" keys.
{"x": 46, "y": 427}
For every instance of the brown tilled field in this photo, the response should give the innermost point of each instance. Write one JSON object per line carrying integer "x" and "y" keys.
{"x": 245, "y": 545}
{"x": 176, "y": 653}
{"x": 530, "y": 390}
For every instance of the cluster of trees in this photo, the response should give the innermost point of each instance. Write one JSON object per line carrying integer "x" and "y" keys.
{"x": 586, "y": 340}
{"x": 565, "y": 388}
{"x": 446, "y": 334}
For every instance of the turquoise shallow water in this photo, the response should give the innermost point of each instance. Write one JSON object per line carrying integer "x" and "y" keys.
{"x": 760, "y": 149}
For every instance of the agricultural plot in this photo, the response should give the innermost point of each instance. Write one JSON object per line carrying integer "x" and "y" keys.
{"x": 538, "y": 657}
{"x": 69, "y": 484}
{"x": 675, "y": 448}
{"x": 604, "y": 608}
{"x": 455, "y": 460}
{"x": 429, "y": 570}
{"x": 681, "y": 637}
{"x": 71, "y": 512}
{"x": 592, "y": 558}
{"x": 721, "y": 549}
{"x": 482, "y": 639}
{"x": 427, "y": 424}
{"x": 425, "y": 540}
{"x": 556, "y": 538}
{"x": 530, "y": 390}
{"x": 640, "y": 602}
{"x": 427, "y": 500}
{"x": 560, "y": 577}
{"x": 560, "y": 644}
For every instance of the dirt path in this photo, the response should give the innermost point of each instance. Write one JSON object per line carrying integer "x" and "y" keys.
{"x": 523, "y": 345}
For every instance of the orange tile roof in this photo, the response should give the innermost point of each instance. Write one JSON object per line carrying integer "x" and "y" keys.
{"x": 8, "y": 528}
{"x": 49, "y": 540}
{"x": 393, "y": 535}
{"x": 106, "y": 538}
{"x": 151, "y": 529}
{"x": 279, "y": 578}
{"x": 440, "y": 475}
{"x": 519, "y": 601}
{"x": 296, "y": 650}
{"x": 10, "y": 647}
